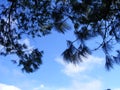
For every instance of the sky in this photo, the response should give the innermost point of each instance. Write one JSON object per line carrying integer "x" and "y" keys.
{"x": 55, "y": 73}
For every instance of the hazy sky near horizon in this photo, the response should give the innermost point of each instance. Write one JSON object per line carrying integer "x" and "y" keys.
{"x": 55, "y": 73}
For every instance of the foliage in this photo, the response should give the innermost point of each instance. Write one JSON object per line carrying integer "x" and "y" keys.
{"x": 37, "y": 18}
{"x": 108, "y": 89}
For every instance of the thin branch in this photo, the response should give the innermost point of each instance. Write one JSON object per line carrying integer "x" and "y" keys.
{"x": 103, "y": 42}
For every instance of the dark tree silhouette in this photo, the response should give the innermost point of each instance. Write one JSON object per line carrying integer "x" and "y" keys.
{"x": 37, "y": 18}
{"x": 108, "y": 89}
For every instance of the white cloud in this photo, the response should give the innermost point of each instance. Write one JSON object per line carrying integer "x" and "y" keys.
{"x": 77, "y": 82}
{"x": 88, "y": 64}
{"x": 8, "y": 87}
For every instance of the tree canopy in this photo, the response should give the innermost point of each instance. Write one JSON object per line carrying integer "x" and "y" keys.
{"x": 37, "y": 18}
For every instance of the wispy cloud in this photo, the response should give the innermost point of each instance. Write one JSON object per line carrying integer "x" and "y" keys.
{"x": 88, "y": 64}
{"x": 8, "y": 87}
{"x": 78, "y": 73}
{"x": 76, "y": 78}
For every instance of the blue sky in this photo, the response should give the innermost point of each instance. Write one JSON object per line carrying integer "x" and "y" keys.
{"x": 55, "y": 73}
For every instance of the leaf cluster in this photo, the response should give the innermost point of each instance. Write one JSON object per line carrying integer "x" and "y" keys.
{"x": 90, "y": 18}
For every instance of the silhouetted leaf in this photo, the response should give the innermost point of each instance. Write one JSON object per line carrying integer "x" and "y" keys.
{"x": 109, "y": 62}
